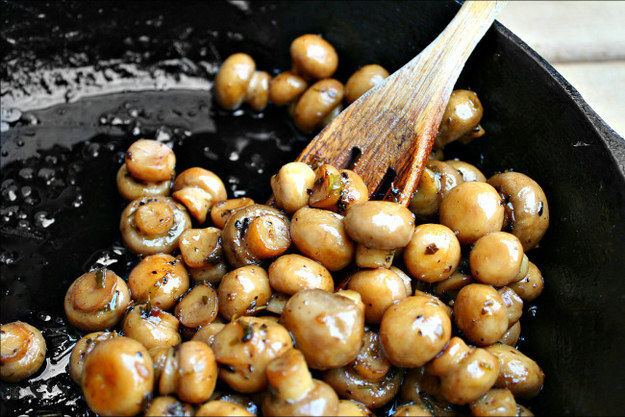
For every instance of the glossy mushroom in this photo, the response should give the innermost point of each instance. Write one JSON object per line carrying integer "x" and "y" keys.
{"x": 152, "y": 225}
{"x": 160, "y": 279}
{"x": 313, "y": 57}
{"x": 317, "y": 103}
{"x": 150, "y": 161}
{"x": 96, "y": 300}
{"x": 363, "y": 80}
{"x": 151, "y": 326}
{"x": 118, "y": 377}
{"x": 198, "y": 189}
{"x": 22, "y": 349}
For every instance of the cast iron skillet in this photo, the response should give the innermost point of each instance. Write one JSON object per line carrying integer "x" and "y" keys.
{"x": 60, "y": 208}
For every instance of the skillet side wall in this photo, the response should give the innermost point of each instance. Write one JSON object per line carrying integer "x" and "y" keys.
{"x": 534, "y": 125}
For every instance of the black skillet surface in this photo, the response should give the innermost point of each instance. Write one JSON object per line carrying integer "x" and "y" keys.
{"x": 59, "y": 212}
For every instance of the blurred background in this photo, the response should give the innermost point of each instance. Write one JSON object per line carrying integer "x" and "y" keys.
{"x": 584, "y": 41}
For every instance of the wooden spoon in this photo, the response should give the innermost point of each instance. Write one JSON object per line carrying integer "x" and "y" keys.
{"x": 392, "y": 127}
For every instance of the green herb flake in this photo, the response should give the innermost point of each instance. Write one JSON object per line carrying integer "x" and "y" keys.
{"x": 100, "y": 276}
{"x": 248, "y": 333}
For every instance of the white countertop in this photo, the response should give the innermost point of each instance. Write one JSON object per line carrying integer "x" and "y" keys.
{"x": 584, "y": 41}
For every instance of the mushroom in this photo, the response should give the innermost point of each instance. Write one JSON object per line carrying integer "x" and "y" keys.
{"x": 370, "y": 379}
{"x": 481, "y": 313}
{"x": 531, "y": 285}
{"x": 379, "y": 288}
{"x": 437, "y": 180}
{"x": 313, "y": 57}
{"x": 207, "y": 333}
{"x": 472, "y": 209}
{"x": 202, "y": 252}
{"x": 222, "y": 210}
{"x": 82, "y": 348}
{"x": 373, "y": 258}
{"x": 525, "y": 204}
{"x": 411, "y": 410}
{"x": 222, "y": 408}
{"x": 337, "y": 190}
{"x": 237, "y": 81}
{"x": 414, "y": 330}
{"x": 422, "y": 388}
{"x": 321, "y": 235}
{"x": 496, "y": 402}
{"x": 243, "y": 291}
{"x": 152, "y": 225}
{"x": 517, "y": 372}
{"x": 198, "y": 307}
{"x": 160, "y": 279}
{"x": 151, "y": 326}
{"x": 291, "y": 185}
{"x": 150, "y": 161}
{"x": 316, "y": 107}
{"x": 294, "y": 391}
{"x": 448, "y": 288}
{"x": 244, "y": 348}
{"x": 363, "y": 80}
{"x": 268, "y": 237}
{"x": 328, "y": 328}
{"x": 466, "y": 373}
{"x": 198, "y": 189}
{"x": 350, "y": 408}
{"x": 190, "y": 372}
{"x": 433, "y": 253}
{"x": 96, "y": 300}
{"x": 118, "y": 377}
{"x": 286, "y": 87}
{"x": 168, "y": 406}
{"x": 132, "y": 188}
{"x": 380, "y": 224}
{"x": 497, "y": 259}
{"x": 22, "y": 351}
{"x": 461, "y": 118}
{"x": 292, "y": 273}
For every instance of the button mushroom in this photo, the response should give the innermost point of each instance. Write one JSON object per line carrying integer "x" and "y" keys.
{"x": 525, "y": 204}
{"x": 267, "y": 238}
{"x": 190, "y": 372}
{"x": 198, "y": 307}
{"x": 151, "y": 326}
{"x": 370, "y": 379}
{"x": 437, "y": 180}
{"x": 243, "y": 291}
{"x": 151, "y": 225}
{"x": 497, "y": 259}
{"x": 320, "y": 235}
{"x": 168, "y": 406}
{"x": 244, "y": 348}
{"x": 294, "y": 391}
{"x": 198, "y": 189}
{"x": 461, "y": 118}
{"x": 83, "y": 347}
{"x": 159, "y": 278}
{"x": 414, "y": 330}
{"x": 379, "y": 288}
{"x": 363, "y": 80}
{"x": 132, "y": 188}
{"x": 318, "y": 102}
{"x": 472, "y": 209}
{"x": 292, "y": 273}
{"x": 433, "y": 253}
{"x": 237, "y": 81}
{"x": 481, "y": 314}
{"x": 22, "y": 350}
{"x": 222, "y": 210}
{"x": 96, "y": 300}
{"x": 466, "y": 373}
{"x": 118, "y": 377}
{"x": 380, "y": 224}
{"x": 202, "y": 252}
{"x": 517, "y": 372}
{"x": 328, "y": 328}
{"x": 313, "y": 57}
{"x": 150, "y": 161}
{"x": 286, "y": 87}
